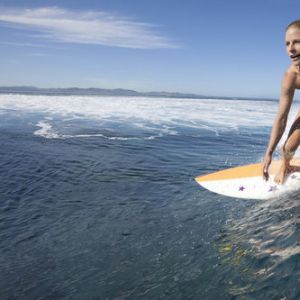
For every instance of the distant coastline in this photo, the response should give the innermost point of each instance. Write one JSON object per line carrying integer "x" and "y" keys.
{"x": 74, "y": 91}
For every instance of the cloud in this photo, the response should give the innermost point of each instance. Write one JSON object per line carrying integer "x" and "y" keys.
{"x": 29, "y": 45}
{"x": 86, "y": 27}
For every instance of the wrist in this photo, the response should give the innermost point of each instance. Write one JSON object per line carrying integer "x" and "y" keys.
{"x": 269, "y": 152}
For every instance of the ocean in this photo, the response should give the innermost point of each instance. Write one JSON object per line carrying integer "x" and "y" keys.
{"x": 99, "y": 201}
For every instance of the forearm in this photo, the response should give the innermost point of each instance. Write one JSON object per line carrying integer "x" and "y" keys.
{"x": 286, "y": 98}
{"x": 276, "y": 134}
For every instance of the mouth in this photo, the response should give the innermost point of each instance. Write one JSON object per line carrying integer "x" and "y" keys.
{"x": 295, "y": 57}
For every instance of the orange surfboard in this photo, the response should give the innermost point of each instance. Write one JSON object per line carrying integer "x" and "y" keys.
{"x": 246, "y": 181}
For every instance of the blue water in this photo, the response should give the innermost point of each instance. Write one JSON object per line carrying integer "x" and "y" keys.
{"x": 105, "y": 209}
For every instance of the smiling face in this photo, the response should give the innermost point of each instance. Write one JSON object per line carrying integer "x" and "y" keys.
{"x": 292, "y": 42}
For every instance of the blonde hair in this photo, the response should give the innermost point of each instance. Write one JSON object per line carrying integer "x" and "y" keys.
{"x": 295, "y": 23}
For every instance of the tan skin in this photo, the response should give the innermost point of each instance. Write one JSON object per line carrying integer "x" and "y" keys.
{"x": 290, "y": 82}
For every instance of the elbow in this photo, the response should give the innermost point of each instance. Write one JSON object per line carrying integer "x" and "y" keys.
{"x": 281, "y": 121}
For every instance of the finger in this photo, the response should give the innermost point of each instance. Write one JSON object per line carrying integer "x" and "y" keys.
{"x": 265, "y": 175}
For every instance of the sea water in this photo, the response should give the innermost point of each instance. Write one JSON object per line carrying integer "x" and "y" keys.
{"x": 98, "y": 201}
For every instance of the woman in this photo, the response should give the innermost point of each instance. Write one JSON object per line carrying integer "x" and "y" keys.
{"x": 290, "y": 82}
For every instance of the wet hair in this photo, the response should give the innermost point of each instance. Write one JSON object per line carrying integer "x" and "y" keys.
{"x": 295, "y": 23}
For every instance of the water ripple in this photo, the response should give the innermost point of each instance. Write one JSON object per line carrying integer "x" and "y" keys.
{"x": 265, "y": 244}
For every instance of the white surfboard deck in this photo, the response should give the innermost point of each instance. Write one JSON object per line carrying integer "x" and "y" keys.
{"x": 246, "y": 181}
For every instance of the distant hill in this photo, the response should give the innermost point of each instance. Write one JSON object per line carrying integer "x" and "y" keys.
{"x": 30, "y": 90}
{"x": 90, "y": 91}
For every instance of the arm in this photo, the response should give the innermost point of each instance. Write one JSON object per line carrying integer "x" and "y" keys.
{"x": 286, "y": 98}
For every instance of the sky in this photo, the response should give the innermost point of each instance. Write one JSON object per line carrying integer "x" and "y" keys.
{"x": 229, "y": 48}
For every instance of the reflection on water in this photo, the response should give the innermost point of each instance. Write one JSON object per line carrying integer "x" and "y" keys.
{"x": 264, "y": 246}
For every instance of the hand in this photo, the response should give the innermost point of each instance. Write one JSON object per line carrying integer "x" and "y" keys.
{"x": 265, "y": 166}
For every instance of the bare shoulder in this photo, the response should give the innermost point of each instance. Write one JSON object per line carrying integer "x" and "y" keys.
{"x": 291, "y": 79}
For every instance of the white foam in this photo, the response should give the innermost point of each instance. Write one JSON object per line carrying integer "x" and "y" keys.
{"x": 46, "y": 130}
{"x": 210, "y": 114}
{"x": 189, "y": 112}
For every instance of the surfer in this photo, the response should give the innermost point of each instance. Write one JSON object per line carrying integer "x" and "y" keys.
{"x": 290, "y": 82}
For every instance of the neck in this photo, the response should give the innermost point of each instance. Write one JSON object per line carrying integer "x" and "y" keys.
{"x": 296, "y": 68}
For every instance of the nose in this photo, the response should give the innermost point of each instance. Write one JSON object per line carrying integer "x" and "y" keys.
{"x": 291, "y": 48}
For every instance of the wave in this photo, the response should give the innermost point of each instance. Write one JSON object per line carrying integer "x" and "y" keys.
{"x": 187, "y": 112}
{"x": 215, "y": 115}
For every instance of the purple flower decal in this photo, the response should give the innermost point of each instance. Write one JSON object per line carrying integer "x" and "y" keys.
{"x": 241, "y": 188}
{"x": 273, "y": 188}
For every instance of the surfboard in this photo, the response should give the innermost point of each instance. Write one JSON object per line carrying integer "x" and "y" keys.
{"x": 247, "y": 182}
